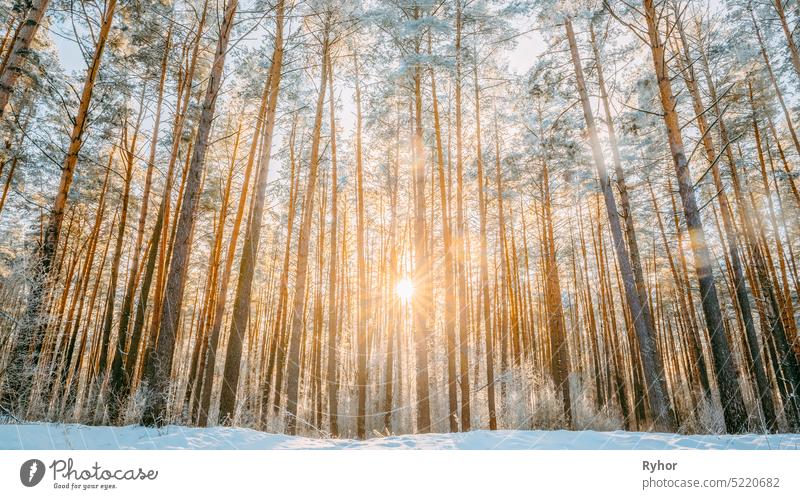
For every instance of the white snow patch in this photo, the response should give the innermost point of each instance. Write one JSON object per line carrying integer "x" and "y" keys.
{"x": 80, "y": 437}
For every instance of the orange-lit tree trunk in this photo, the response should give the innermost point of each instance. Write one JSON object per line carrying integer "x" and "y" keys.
{"x": 333, "y": 319}
{"x": 158, "y": 364}
{"x": 297, "y": 326}
{"x": 422, "y": 278}
{"x": 483, "y": 257}
{"x": 458, "y": 242}
{"x": 361, "y": 269}
{"x": 449, "y": 297}
{"x": 30, "y": 332}
{"x": 252, "y": 236}
{"x": 558, "y": 346}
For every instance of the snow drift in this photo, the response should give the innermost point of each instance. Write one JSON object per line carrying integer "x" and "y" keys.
{"x": 80, "y": 437}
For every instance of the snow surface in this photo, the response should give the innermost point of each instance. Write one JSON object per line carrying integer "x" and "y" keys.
{"x": 80, "y": 437}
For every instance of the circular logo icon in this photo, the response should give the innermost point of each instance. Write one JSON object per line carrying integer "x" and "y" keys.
{"x": 31, "y": 472}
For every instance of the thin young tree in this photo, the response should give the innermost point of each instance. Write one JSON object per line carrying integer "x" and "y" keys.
{"x": 297, "y": 326}
{"x": 361, "y": 266}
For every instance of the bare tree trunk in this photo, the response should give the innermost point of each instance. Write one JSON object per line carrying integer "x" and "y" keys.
{"x": 421, "y": 294}
{"x": 159, "y": 360}
{"x": 458, "y": 242}
{"x": 361, "y": 269}
{"x": 639, "y": 309}
{"x": 241, "y": 304}
{"x": 333, "y": 319}
{"x": 449, "y": 305}
{"x": 298, "y": 303}
{"x": 503, "y": 292}
{"x": 394, "y": 312}
{"x": 484, "y": 265}
{"x": 558, "y": 345}
{"x": 278, "y": 348}
{"x": 727, "y": 379}
{"x": 31, "y": 328}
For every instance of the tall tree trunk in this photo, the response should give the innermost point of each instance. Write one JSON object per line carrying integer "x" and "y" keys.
{"x": 419, "y": 300}
{"x": 484, "y": 265}
{"x": 639, "y": 309}
{"x": 449, "y": 297}
{"x": 333, "y": 319}
{"x": 461, "y": 271}
{"x": 31, "y": 330}
{"x": 158, "y": 364}
{"x": 361, "y": 269}
{"x": 279, "y": 345}
{"x": 241, "y": 304}
{"x": 298, "y": 303}
{"x": 558, "y": 346}
{"x": 727, "y": 379}
{"x": 394, "y": 314}
{"x": 764, "y": 390}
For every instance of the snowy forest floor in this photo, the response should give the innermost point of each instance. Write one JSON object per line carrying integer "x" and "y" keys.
{"x": 79, "y": 437}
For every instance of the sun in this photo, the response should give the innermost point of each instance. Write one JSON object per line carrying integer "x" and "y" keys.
{"x": 405, "y": 289}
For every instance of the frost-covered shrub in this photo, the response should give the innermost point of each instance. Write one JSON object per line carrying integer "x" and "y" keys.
{"x": 706, "y": 419}
{"x": 530, "y": 400}
{"x": 134, "y": 406}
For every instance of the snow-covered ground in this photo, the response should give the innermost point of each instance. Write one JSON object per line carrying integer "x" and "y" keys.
{"x": 71, "y": 436}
